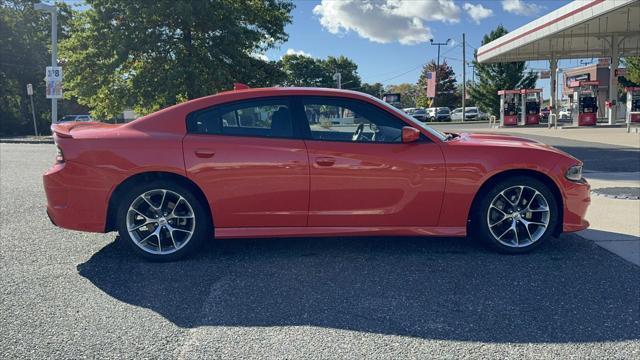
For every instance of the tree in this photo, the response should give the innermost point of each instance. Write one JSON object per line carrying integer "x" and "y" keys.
{"x": 446, "y": 94}
{"x": 148, "y": 55}
{"x": 347, "y": 68}
{"x": 301, "y": 70}
{"x": 24, "y": 53}
{"x": 375, "y": 89}
{"x": 499, "y": 76}
{"x": 633, "y": 69}
{"x": 408, "y": 94}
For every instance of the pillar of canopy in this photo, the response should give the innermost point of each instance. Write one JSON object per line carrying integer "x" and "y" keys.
{"x": 580, "y": 29}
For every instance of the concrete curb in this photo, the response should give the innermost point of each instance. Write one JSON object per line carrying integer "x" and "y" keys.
{"x": 26, "y": 141}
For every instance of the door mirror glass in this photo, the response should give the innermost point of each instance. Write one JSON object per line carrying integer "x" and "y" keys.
{"x": 410, "y": 134}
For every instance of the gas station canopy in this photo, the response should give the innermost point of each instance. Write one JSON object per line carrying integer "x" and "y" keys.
{"x": 580, "y": 29}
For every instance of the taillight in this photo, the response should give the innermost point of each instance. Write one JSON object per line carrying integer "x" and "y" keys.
{"x": 59, "y": 155}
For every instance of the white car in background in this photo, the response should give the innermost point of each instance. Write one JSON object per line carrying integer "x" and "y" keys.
{"x": 471, "y": 113}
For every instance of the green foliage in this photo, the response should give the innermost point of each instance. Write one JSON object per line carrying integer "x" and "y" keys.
{"x": 633, "y": 69}
{"x": 24, "y": 53}
{"x": 301, "y": 70}
{"x": 375, "y": 89}
{"x": 499, "y": 76}
{"x": 408, "y": 94}
{"x": 149, "y": 55}
{"x": 446, "y": 94}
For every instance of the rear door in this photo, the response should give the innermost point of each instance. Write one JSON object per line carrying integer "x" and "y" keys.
{"x": 362, "y": 175}
{"x": 250, "y": 162}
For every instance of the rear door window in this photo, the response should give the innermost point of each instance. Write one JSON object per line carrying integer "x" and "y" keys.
{"x": 260, "y": 118}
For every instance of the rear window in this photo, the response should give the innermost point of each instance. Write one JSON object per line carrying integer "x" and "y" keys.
{"x": 259, "y": 118}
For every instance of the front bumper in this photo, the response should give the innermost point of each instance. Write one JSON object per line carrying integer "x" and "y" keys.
{"x": 577, "y": 197}
{"x": 76, "y": 197}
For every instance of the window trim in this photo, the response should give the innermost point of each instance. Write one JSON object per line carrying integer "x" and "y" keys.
{"x": 286, "y": 100}
{"x": 299, "y": 102}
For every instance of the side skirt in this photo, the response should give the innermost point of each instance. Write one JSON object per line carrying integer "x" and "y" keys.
{"x": 266, "y": 232}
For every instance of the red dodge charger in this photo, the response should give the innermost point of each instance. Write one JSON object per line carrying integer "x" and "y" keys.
{"x": 283, "y": 162}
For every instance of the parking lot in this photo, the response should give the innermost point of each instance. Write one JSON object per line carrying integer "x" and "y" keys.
{"x": 71, "y": 294}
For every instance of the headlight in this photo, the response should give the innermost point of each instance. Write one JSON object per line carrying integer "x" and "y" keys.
{"x": 574, "y": 173}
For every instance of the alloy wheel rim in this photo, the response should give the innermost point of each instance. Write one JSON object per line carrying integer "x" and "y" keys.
{"x": 518, "y": 216}
{"x": 160, "y": 221}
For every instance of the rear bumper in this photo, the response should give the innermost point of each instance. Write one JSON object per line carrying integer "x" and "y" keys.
{"x": 75, "y": 199}
{"x": 576, "y": 202}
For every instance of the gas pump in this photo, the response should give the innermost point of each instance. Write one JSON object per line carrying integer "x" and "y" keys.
{"x": 585, "y": 102}
{"x": 531, "y": 101}
{"x": 509, "y": 106}
{"x": 633, "y": 102}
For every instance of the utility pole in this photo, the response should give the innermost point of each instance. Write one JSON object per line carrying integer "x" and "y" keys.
{"x": 473, "y": 74}
{"x": 54, "y": 48}
{"x": 338, "y": 78}
{"x": 464, "y": 77}
{"x": 438, "y": 44}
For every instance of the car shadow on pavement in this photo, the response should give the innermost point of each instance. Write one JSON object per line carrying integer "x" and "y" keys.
{"x": 569, "y": 290}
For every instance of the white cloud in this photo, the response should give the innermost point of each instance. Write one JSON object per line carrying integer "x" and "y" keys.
{"x": 297, "y": 52}
{"x": 477, "y": 12}
{"x": 519, "y": 7}
{"x": 386, "y": 21}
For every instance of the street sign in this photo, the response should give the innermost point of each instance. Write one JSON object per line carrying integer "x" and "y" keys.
{"x": 620, "y": 72}
{"x": 53, "y": 78}
{"x": 544, "y": 74}
{"x": 29, "y": 89}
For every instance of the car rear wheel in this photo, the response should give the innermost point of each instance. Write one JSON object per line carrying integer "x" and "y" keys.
{"x": 516, "y": 215}
{"x": 162, "y": 221}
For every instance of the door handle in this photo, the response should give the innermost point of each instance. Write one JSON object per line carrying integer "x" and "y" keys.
{"x": 204, "y": 153}
{"x": 325, "y": 161}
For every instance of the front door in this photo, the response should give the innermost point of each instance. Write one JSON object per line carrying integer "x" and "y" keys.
{"x": 361, "y": 172}
{"x": 251, "y": 167}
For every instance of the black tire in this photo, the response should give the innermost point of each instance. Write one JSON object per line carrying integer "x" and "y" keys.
{"x": 201, "y": 227}
{"x": 481, "y": 216}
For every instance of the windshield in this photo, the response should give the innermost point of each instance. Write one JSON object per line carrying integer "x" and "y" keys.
{"x": 410, "y": 119}
{"x": 419, "y": 111}
{"x": 443, "y": 111}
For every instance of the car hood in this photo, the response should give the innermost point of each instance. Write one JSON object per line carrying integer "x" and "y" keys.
{"x": 503, "y": 140}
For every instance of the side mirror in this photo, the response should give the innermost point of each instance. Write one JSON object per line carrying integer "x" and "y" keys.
{"x": 410, "y": 134}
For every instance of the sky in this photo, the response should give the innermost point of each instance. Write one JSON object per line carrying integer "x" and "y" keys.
{"x": 389, "y": 39}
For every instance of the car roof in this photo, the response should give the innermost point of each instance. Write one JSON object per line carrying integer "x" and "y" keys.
{"x": 164, "y": 118}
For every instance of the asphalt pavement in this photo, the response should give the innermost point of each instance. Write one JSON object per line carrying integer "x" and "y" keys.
{"x": 68, "y": 294}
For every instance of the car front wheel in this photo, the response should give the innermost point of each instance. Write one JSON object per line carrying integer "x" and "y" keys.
{"x": 162, "y": 221}
{"x": 516, "y": 215}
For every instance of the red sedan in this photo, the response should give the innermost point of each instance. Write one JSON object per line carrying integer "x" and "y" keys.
{"x": 305, "y": 162}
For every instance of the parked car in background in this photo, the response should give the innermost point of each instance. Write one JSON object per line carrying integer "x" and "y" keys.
{"x": 420, "y": 114}
{"x": 409, "y": 110}
{"x": 68, "y": 118}
{"x": 544, "y": 113}
{"x": 564, "y": 114}
{"x": 441, "y": 114}
{"x": 253, "y": 163}
{"x": 472, "y": 113}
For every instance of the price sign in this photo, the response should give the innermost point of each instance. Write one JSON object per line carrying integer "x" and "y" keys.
{"x": 53, "y": 78}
